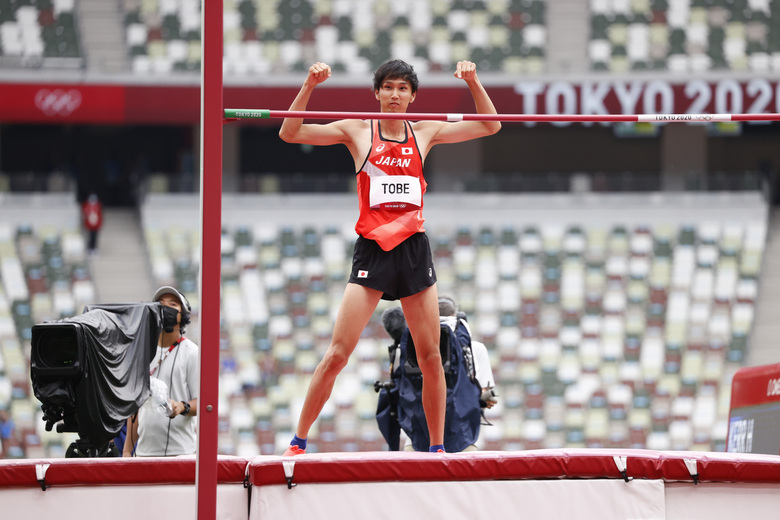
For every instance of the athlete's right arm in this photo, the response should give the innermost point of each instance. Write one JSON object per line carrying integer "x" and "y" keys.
{"x": 294, "y": 131}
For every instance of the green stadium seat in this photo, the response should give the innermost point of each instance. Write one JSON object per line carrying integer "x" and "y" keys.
{"x": 683, "y": 36}
{"x": 667, "y": 319}
{"x": 354, "y": 37}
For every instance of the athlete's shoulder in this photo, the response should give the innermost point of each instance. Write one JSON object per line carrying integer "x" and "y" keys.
{"x": 355, "y": 129}
{"x": 354, "y": 124}
{"x": 425, "y": 131}
{"x": 427, "y": 126}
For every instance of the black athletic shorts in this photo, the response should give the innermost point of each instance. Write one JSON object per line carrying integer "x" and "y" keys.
{"x": 403, "y": 271}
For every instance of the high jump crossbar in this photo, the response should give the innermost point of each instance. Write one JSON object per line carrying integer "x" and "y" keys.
{"x": 235, "y": 114}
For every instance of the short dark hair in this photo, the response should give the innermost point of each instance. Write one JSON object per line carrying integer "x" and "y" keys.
{"x": 396, "y": 69}
{"x": 447, "y": 306}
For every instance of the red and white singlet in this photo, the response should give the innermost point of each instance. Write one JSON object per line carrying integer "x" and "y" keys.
{"x": 390, "y": 189}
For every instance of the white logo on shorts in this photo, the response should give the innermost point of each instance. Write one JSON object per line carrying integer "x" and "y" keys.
{"x": 362, "y": 274}
{"x": 430, "y": 272}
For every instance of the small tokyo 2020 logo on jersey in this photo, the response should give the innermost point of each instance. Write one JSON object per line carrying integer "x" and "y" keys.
{"x": 380, "y": 148}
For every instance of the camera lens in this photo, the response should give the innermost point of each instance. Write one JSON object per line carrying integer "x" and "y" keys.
{"x": 58, "y": 351}
{"x": 55, "y": 350}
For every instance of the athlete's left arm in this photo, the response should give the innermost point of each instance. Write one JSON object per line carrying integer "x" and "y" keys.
{"x": 466, "y": 130}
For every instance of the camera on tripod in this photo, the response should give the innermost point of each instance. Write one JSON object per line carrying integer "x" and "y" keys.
{"x": 91, "y": 372}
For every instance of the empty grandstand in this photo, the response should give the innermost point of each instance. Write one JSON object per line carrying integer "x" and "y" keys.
{"x": 619, "y": 274}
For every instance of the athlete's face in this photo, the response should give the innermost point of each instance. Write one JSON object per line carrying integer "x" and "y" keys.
{"x": 394, "y": 95}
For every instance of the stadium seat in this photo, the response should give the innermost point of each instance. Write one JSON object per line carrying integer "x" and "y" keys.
{"x": 681, "y": 36}
{"x": 352, "y": 36}
{"x": 565, "y": 313}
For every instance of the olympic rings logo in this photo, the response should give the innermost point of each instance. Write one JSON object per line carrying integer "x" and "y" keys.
{"x": 704, "y": 117}
{"x": 58, "y": 102}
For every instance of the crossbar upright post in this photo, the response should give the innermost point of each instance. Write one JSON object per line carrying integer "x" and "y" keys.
{"x": 210, "y": 258}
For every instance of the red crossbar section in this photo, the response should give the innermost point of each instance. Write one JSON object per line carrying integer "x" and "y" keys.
{"x": 755, "y": 117}
{"x": 525, "y": 118}
{"x": 533, "y": 464}
{"x": 119, "y": 471}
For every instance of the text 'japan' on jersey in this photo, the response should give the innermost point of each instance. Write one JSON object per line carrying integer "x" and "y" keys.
{"x": 390, "y": 187}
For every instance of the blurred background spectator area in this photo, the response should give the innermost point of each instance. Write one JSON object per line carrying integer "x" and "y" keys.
{"x": 618, "y": 274}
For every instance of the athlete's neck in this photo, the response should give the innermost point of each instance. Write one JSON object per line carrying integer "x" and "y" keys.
{"x": 392, "y": 129}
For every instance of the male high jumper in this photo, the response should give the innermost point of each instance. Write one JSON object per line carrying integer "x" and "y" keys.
{"x": 392, "y": 258}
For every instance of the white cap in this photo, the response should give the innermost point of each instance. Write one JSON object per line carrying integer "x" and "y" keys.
{"x": 167, "y": 289}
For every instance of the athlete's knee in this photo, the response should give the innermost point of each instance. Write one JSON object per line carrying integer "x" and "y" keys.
{"x": 335, "y": 360}
{"x": 430, "y": 362}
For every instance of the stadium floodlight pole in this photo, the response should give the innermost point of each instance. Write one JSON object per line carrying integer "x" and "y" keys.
{"x": 211, "y": 107}
{"x": 234, "y": 114}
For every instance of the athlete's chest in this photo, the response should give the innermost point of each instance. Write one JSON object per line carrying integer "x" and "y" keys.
{"x": 401, "y": 153}
{"x": 403, "y": 148}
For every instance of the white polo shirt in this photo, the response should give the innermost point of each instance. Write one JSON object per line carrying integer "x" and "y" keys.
{"x": 158, "y": 435}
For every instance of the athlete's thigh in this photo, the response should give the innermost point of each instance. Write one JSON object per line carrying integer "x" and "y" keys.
{"x": 421, "y": 311}
{"x": 357, "y": 306}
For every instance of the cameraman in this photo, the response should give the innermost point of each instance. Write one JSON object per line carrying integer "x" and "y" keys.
{"x": 448, "y": 308}
{"x": 149, "y": 433}
{"x": 448, "y": 313}
{"x": 396, "y": 412}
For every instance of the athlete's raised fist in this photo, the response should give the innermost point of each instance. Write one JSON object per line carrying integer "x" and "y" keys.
{"x": 318, "y": 73}
{"x": 466, "y": 70}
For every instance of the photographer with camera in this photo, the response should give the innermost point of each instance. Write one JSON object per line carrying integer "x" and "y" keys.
{"x": 167, "y": 427}
{"x": 468, "y": 375}
{"x": 484, "y": 372}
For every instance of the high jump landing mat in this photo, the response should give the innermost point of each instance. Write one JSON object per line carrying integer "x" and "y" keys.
{"x": 566, "y": 483}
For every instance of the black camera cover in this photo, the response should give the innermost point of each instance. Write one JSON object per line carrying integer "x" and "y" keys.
{"x": 108, "y": 379}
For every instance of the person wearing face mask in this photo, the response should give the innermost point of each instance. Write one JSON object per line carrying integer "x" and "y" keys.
{"x": 151, "y": 433}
